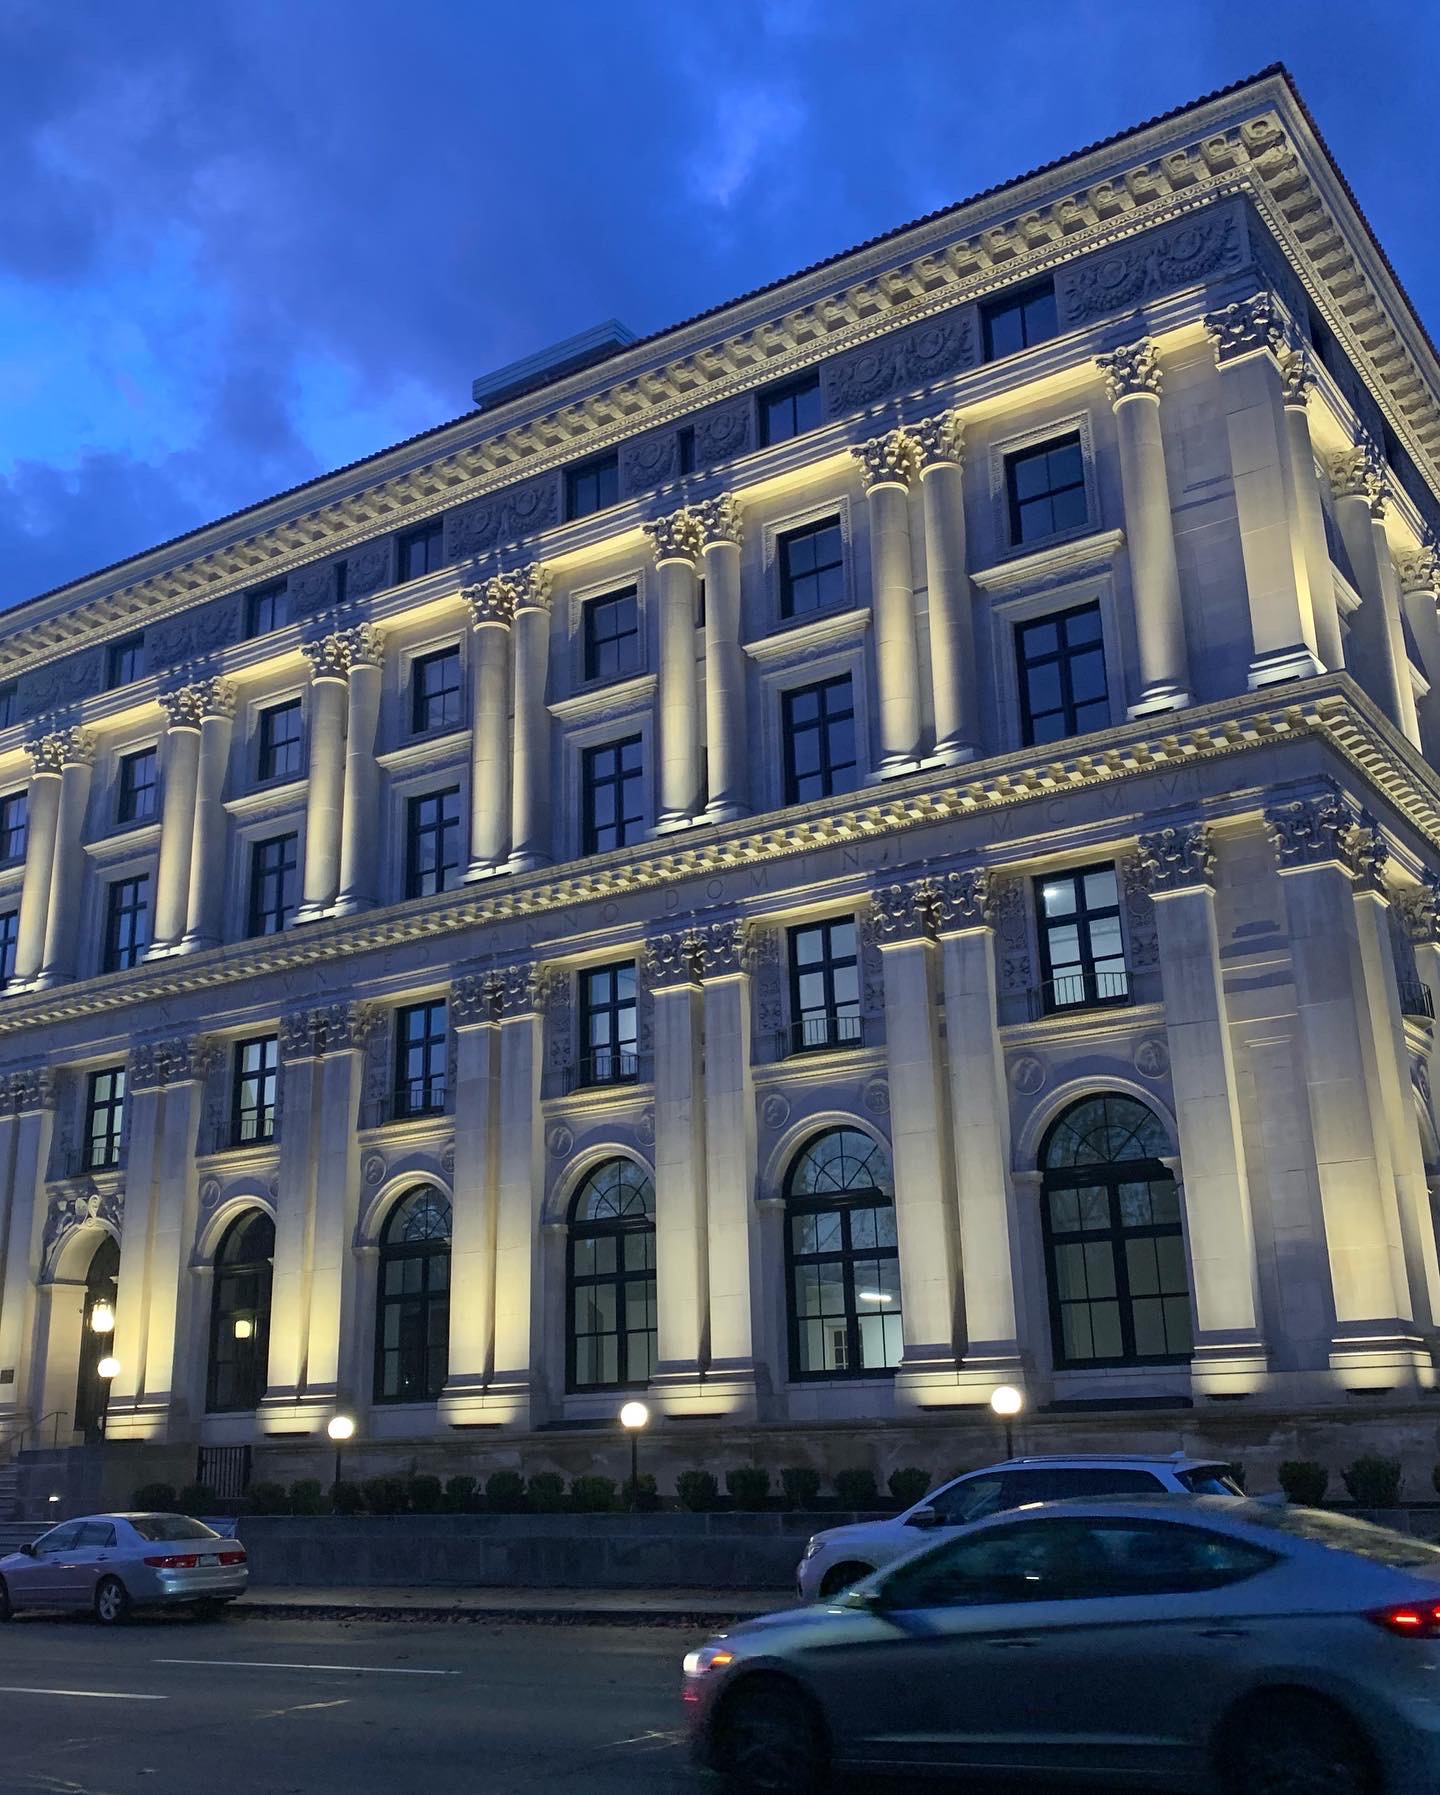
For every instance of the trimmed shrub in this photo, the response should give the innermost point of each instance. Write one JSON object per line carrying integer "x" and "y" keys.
{"x": 1373, "y": 1482}
{"x": 1304, "y": 1480}
{"x": 641, "y": 1497}
{"x": 749, "y": 1485}
{"x": 462, "y": 1495}
{"x": 855, "y": 1487}
{"x": 269, "y": 1499}
{"x": 424, "y": 1494}
{"x": 197, "y": 1499}
{"x": 384, "y": 1495}
{"x": 696, "y": 1491}
{"x": 592, "y": 1495}
{"x": 505, "y": 1492}
{"x": 158, "y": 1496}
{"x": 909, "y": 1484}
{"x": 801, "y": 1485}
{"x": 347, "y": 1498}
{"x": 307, "y": 1497}
{"x": 546, "y": 1492}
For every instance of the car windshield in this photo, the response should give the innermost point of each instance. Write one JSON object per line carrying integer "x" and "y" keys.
{"x": 170, "y": 1527}
{"x": 1209, "y": 1480}
{"x": 1342, "y": 1533}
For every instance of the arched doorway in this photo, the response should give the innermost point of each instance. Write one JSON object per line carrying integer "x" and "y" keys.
{"x": 240, "y": 1314}
{"x": 92, "y": 1392}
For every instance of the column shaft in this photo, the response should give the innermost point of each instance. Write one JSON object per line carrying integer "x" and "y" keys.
{"x": 169, "y": 1335}
{"x": 679, "y": 707}
{"x": 1373, "y": 658}
{"x": 177, "y": 838}
{"x": 24, "y": 1150}
{"x": 681, "y": 1273}
{"x": 360, "y": 827}
{"x": 490, "y": 751}
{"x": 952, "y": 623}
{"x": 43, "y": 806}
{"x": 729, "y": 1173}
{"x": 331, "y": 1374}
{"x": 893, "y": 597}
{"x": 1310, "y": 513}
{"x": 519, "y": 1355}
{"x": 324, "y": 796}
{"x": 68, "y": 882}
{"x": 294, "y": 1227}
{"x": 530, "y": 844}
{"x": 208, "y": 856}
{"x": 472, "y": 1240}
{"x": 727, "y": 745}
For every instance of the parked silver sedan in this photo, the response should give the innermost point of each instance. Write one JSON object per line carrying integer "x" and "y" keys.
{"x": 1198, "y": 1644}
{"x": 113, "y": 1563}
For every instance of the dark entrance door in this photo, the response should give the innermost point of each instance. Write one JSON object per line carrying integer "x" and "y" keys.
{"x": 91, "y": 1390}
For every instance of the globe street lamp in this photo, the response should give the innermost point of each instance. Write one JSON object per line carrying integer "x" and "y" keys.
{"x": 1008, "y": 1403}
{"x": 340, "y": 1429}
{"x": 634, "y": 1418}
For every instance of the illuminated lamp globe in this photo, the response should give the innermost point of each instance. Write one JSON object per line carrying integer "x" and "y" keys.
{"x": 102, "y": 1318}
{"x": 244, "y": 1328}
{"x": 108, "y": 1367}
{"x": 340, "y": 1428}
{"x": 634, "y": 1415}
{"x": 1007, "y": 1401}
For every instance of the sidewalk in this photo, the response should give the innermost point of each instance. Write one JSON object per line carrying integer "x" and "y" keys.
{"x": 553, "y": 1607}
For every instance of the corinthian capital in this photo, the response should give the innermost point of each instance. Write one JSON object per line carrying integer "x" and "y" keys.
{"x": 906, "y": 912}
{"x": 77, "y": 747}
{"x": 1357, "y": 474}
{"x": 1245, "y": 327}
{"x": 674, "y": 958}
{"x": 185, "y": 707}
{"x": 1297, "y": 376}
{"x": 679, "y": 537}
{"x": 1314, "y": 831}
{"x": 492, "y": 603}
{"x": 532, "y": 587}
{"x": 726, "y": 948}
{"x": 47, "y": 752}
{"x": 1176, "y": 859}
{"x": 364, "y": 646}
{"x": 327, "y": 657}
{"x": 1131, "y": 372}
{"x": 1418, "y": 907}
{"x": 888, "y": 460}
{"x": 964, "y": 901}
{"x": 1419, "y": 571}
{"x": 939, "y": 441}
{"x": 719, "y": 520}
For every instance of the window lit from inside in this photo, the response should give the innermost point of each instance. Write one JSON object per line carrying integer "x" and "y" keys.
{"x": 240, "y": 1314}
{"x": 842, "y": 1259}
{"x": 608, "y": 1025}
{"x": 1015, "y": 321}
{"x": 104, "y": 1119}
{"x": 1061, "y": 662}
{"x": 420, "y": 1059}
{"x": 1082, "y": 949}
{"x": 257, "y": 1072}
{"x": 1046, "y": 490}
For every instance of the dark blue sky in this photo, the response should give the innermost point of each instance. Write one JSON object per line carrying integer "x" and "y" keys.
{"x": 247, "y": 240}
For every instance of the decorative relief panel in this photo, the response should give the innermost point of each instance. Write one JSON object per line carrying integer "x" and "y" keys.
{"x": 1008, "y": 898}
{"x": 73, "y": 1209}
{"x": 769, "y": 982}
{"x": 1142, "y": 944}
{"x": 649, "y": 461}
{"x": 503, "y": 517}
{"x": 193, "y": 634}
{"x": 560, "y": 1026}
{"x": 1209, "y": 243}
{"x": 312, "y": 589}
{"x": 944, "y": 345}
{"x": 60, "y": 683}
{"x": 725, "y": 431}
{"x": 367, "y": 569}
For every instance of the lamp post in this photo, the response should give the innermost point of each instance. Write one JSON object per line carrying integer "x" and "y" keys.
{"x": 107, "y": 1371}
{"x": 340, "y": 1429}
{"x": 634, "y": 1418}
{"x": 1008, "y": 1403}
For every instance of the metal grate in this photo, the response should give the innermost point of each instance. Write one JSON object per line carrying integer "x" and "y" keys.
{"x": 224, "y": 1469}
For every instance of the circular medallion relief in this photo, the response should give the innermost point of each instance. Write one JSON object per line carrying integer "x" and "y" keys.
{"x": 1027, "y": 1074}
{"x": 559, "y": 1140}
{"x": 373, "y": 1169}
{"x": 1152, "y": 1059}
{"x": 775, "y": 1110}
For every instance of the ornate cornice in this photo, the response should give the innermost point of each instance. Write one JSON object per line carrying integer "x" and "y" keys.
{"x": 720, "y": 521}
{"x": 889, "y": 460}
{"x": 1176, "y": 859}
{"x": 492, "y": 604}
{"x": 678, "y": 537}
{"x": 939, "y": 440}
{"x": 1245, "y": 328}
{"x": 1131, "y": 372}
{"x": 673, "y": 958}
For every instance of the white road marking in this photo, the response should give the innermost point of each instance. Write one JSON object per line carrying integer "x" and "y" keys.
{"x": 301, "y": 1708}
{"x": 93, "y": 1695}
{"x": 359, "y": 1670}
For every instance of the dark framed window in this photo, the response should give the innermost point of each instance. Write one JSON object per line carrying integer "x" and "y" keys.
{"x": 790, "y": 408}
{"x": 127, "y": 922}
{"x": 685, "y": 449}
{"x": 1016, "y": 320}
{"x": 1114, "y": 1246}
{"x": 240, "y": 1314}
{"x": 435, "y": 691}
{"x": 412, "y": 1321}
{"x": 612, "y": 795}
{"x": 14, "y": 825}
{"x": 1061, "y": 662}
{"x": 282, "y": 737}
{"x": 812, "y": 568}
{"x": 824, "y": 985}
{"x": 420, "y": 1058}
{"x": 608, "y": 1025}
{"x": 1082, "y": 950}
{"x": 818, "y": 726}
{"x": 273, "y": 879}
{"x": 267, "y": 608}
{"x": 1046, "y": 489}
{"x": 841, "y": 1259}
{"x": 104, "y": 1118}
{"x": 432, "y": 843}
{"x": 125, "y": 662}
{"x": 610, "y": 1286}
{"x": 592, "y": 485}
{"x": 341, "y": 573}
{"x": 139, "y": 786}
{"x": 9, "y": 703}
{"x": 611, "y": 633}
{"x": 92, "y": 1392}
{"x": 255, "y": 1090}
{"x": 9, "y": 940}
{"x": 420, "y": 551}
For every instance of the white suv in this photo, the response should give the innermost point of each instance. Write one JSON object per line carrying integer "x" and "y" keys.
{"x": 842, "y": 1555}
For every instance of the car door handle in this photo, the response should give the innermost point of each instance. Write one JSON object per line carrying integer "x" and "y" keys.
{"x": 1224, "y": 1632}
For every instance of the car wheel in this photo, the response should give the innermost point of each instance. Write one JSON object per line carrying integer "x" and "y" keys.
{"x": 1297, "y": 1745}
{"x": 837, "y": 1581}
{"x": 7, "y": 1610}
{"x": 769, "y": 1741}
{"x": 112, "y": 1602}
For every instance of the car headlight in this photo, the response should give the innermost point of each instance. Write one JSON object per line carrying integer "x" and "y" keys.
{"x": 708, "y": 1657}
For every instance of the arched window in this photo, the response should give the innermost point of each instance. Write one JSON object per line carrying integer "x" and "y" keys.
{"x": 240, "y": 1314}
{"x": 611, "y": 1279}
{"x": 1115, "y": 1256}
{"x": 412, "y": 1324}
{"x": 92, "y": 1392}
{"x": 843, "y": 1268}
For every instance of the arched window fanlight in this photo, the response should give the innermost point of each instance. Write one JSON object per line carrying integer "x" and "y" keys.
{"x": 412, "y": 1320}
{"x": 610, "y": 1279}
{"x": 240, "y": 1314}
{"x": 842, "y": 1258}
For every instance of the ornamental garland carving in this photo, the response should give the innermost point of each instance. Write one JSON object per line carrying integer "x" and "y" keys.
{"x": 194, "y": 634}
{"x": 503, "y": 517}
{"x": 1131, "y": 371}
{"x": 724, "y": 432}
{"x": 678, "y": 537}
{"x": 60, "y": 683}
{"x": 888, "y": 460}
{"x": 769, "y": 981}
{"x": 650, "y": 461}
{"x": 939, "y": 440}
{"x": 1248, "y": 325}
{"x": 313, "y": 589}
{"x": 1150, "y": 264}
{"x": 1321, "y": 830}
{"x": 1175, "y": 859}
{"x": 910, "y": 358}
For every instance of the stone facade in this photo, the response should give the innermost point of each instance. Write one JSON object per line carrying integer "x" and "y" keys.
{"x": 912, "y": 937}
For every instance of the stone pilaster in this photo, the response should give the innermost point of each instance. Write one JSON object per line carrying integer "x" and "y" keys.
{"x": 360, "y": 812}
{"x": 1378, "y": 656}
{"x": 47, "y": 761}
{"x": 530, "y": 765}
{"x": 27, "y": 1105}
{"x": 492, "y": 618}
{"x": 1297, "y": 383}
{"x": 68, "y": 880}
{"x": 673, "y": 963}
{"x": 727, "y": 742}
{"x": 678, "y": 541}
{"x": 939, "y": 454}
{"x": 730, "y": 1163}
{"x": 888, "y": 465}
{"x": 473, "y": 1016}
{"x": 521, "y": 990}
{"x": 210, "y": 838}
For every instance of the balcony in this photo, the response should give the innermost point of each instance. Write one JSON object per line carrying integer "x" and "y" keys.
{"x": 606, "y": 1066}
{"x": 408, "y": 1102}
{"x": 1080, "y": 991}
{"x": 820, "y": 1033}
{"x": 1417, "y": 999}
{"x": 92, "y": 1158}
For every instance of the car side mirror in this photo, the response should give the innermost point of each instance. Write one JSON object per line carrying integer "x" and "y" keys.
{"x": 923, "y": 1517}
{"x": 28, "y": 1549}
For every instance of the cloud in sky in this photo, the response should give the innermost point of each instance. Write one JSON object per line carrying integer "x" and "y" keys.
{"x": 244, "y": 242}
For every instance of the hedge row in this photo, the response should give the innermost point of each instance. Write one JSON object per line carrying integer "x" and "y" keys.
{"x": 1370, "y": 1482}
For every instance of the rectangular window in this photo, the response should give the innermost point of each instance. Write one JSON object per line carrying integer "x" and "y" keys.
{"x": 125, "y": 662}
{"x": 104, "y": 1119}
{"x": 611, "y": 798}
{"x": 127, "y": 923}
{"x": 342, "y": 581}
{"x": 1061, "y": 662}
{"x": 1016, "y": 320}
{"x": 1046, "y": 488}
{"x": 818, "y": 723}
{"x": 685, "y": 448}
{"x": 790, "y": 408}
{"x": 812, "y": 568}
{"x": 435, "y": 691}
{"x": 608, "y": 1030}
{"x": 592, "y": 485}
{"x": 139, "y": 786}
{"x": 1081, "y": 948}
{"x": 273, "y": 867}
{"x": 257, "y": 1073}
{"x": 267, "y": 608}
{"x": 420, "y": 551}
{"x": 281, "y": 740}
{"x": 420, "y": 1060}
{"x": 9, "y": 936}
{"x": 824, "y": 986}
{"x": 432, "y": 843}
{"x": 611, "y": 629}
{"x": 14, "y": 825}
{"x": 9, "y": 703}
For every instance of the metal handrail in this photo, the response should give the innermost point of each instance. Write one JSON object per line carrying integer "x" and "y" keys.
{"x": 15, "y": 1442}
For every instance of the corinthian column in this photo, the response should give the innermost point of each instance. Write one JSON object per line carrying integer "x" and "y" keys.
{"x": 1418, "y": 572}
{"x": 530, "y": 844}
{"x": 492, "y": 612}
{"x": 325, "y": 791}
{"x": 186, "y": 711}
{"x": 677, "y": 541}
{"x": 952, "y": 625}
{"x": 69, "y": 875}
{"x": 888, "y": 464}
{"x": 47, "y": 759}
{"x": 1378, "y": 655}
{"x": 727, "y": 747}
{"x": 359, "y": 833}
{"x": 1297, "y": 381}
{"x": 1132, "y": 378}
{"x": 207, "y": 856}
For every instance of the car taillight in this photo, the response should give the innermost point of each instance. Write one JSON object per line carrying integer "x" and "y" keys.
{"x": 1413, "y": 1620}
{"x": 178, "y": 1561}
{"x": 232, "y": 1558}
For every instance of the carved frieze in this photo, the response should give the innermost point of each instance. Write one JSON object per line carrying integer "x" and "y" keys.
{"x": 313, "y": 589}
{"x": 194, "y": 634}
{"x": 1207, "y": 244}
{"x": 649, "y": 461}
{"x": 62, "y": 682}
{"x": 503, "y": 517}
{"x": 367, "y": 569}
{"x": 1175, "y": 859}
{"x": 906, "y": 359}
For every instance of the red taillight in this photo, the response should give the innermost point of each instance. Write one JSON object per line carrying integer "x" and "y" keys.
{"x": 232, "y": 1558}
{"x": 1413, "y": 1620}
{"x": 179, "y": 1561}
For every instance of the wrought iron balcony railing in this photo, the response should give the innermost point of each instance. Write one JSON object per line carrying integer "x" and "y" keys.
{"x": 1079, "y": 991}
